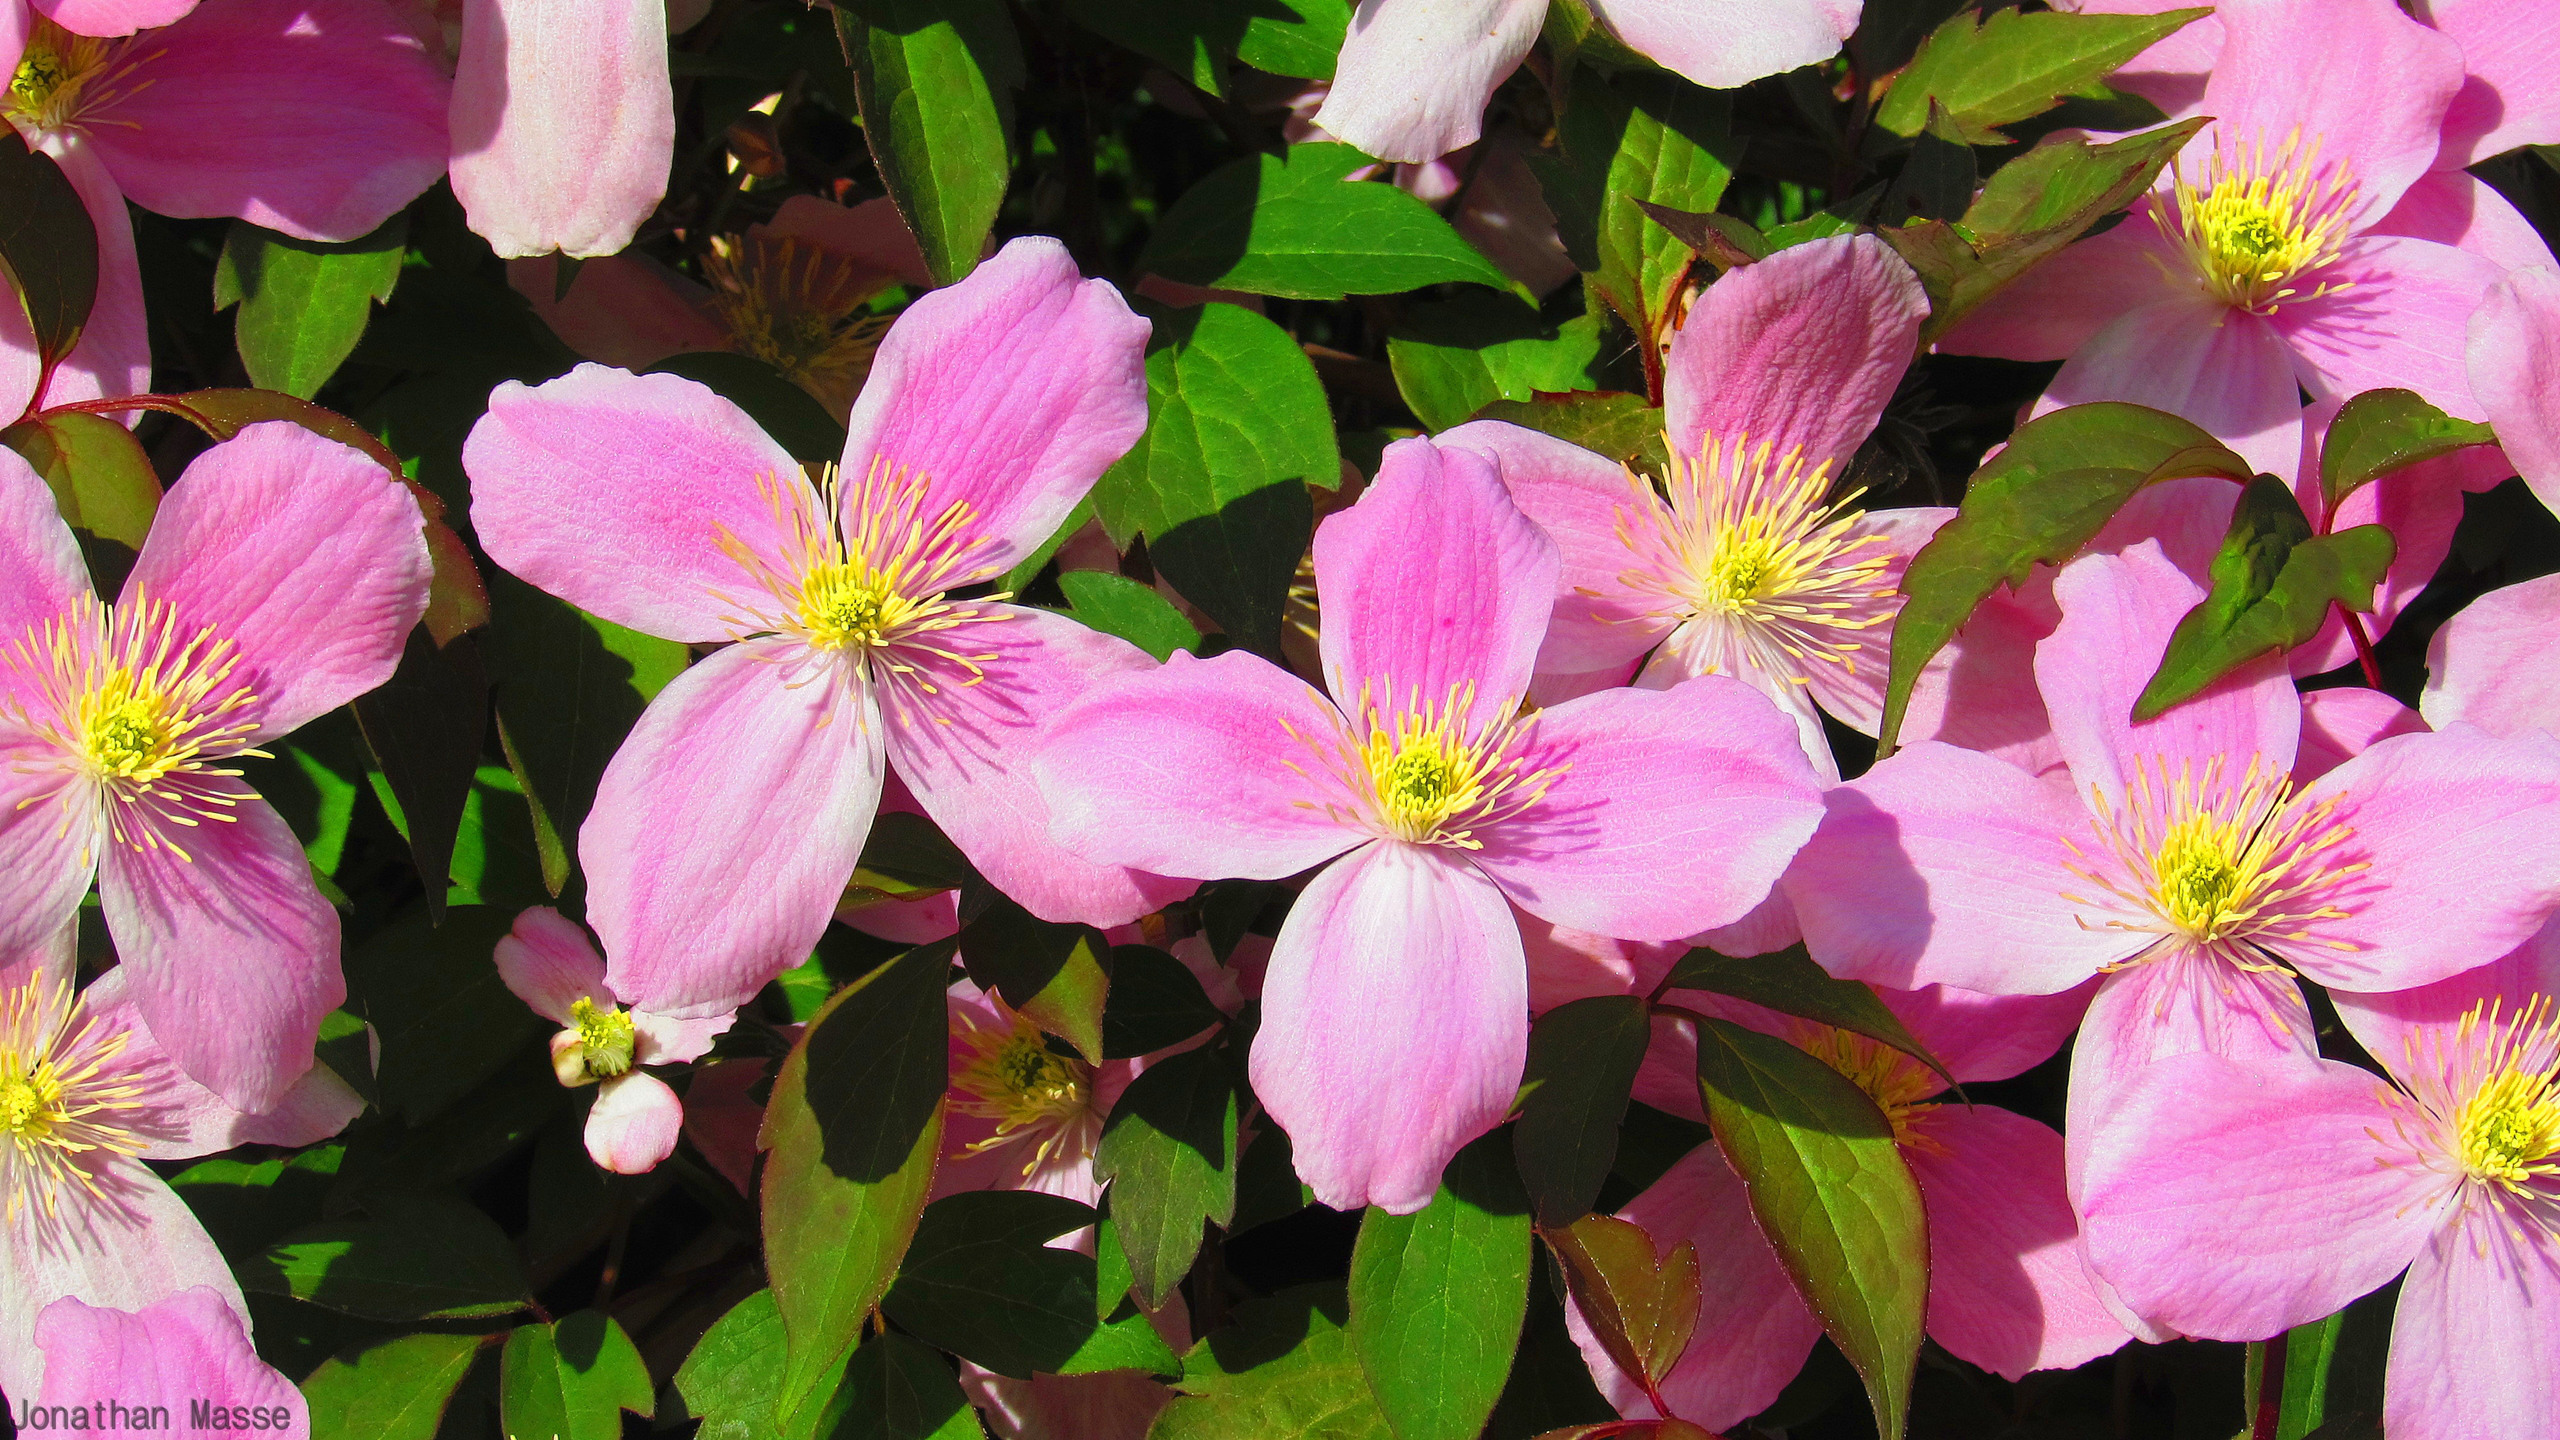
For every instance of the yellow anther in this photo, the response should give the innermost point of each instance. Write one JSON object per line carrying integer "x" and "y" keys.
{"x": 601, "y": 1041}
{"x": 2506, "y": 1131}
{"x": 60, "y": 1105}
{"x": 2260, "y": 222}
{"x": 2213, "y": 858}
{"x": 1899, "y": 1084}
{"x": 1012, "y": 1077}
{"x": 53, "y": 71}
{"x": 1432, "y": 773}
{"x": 798, "y": 307}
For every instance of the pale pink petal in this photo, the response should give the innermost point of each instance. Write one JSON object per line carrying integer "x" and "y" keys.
{"x": 131, "y": 1245}
{"x": 1668, "y": 1078}
{"x": 871, "y": 233}
{"x": 1668, "y": 812}
{"x": 2398, "y": 324}
{"x": 2449, "y": 207}
{"x": 550, "y": 964}
{"x": 1944, "y": 867}
{"x": 2340, "y": 724}
{"x": 2186, "y": 518}
{"x": 621, "y": 310}
{"x": 673, "y": 1039}
{"x": 1122, "y": 771}
{"x": 111, "y": 17}
{"x": 1716, "y": 645}
{"x": 618, "y": 492}
{"x": 964, "y": 748}
{"x": 916, "y": 921}
{"x": 2475, "y": 1343}
{"x": 2235, "y": 1201}
{"x": 185, "y": 1356}
{"x": 634, "y": 1123}
{"x": 1982, "y": 1037}
{"x": 114, "y": 353}
{"x": 563, "y": 122}
{"x": 50, "y": 833}
{"x": 1722, "y": 44}
{"x": 1980, "y": 692}
{"x": 1009, "y": 393}
{"x": 726, "y": 826}
{"x": 1567, "y": 964}
{"x": 1395, "y": 1022}
{"x": 1800, "y": 350}
{"x": 1852, "y": 690}
{"x": 1111, "y": 1405}
{"x": 302, "y": 552}
{"x": 1503, "y": 212}
{"x": 180, "y": 1119}
{"x": 2227, "y": 371}
{"x": 1552, "y": 687}
{"x": 230, "y": 951}
{"x": 2061, "y": 304}
{"x": 1771, "y": 925}
{"x": 2513, "y": 358}
{"x": 2366, "y": 83}
{"x": 1414, "y": 75}
{"x": 2171, "y": 73}
{"x": 2007, "y": 1288}
{"x": 2410, "y": 1031}
{"x": 2421, "y": 506}
{"x": 41, "y": 573}
{"x": 319, "y": 118}
{"x": 2511, "y": 95}
{"x": 1435, "y": 590}
{"x": 2494, "y": 663}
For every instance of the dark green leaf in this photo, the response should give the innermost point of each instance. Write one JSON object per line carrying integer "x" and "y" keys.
{"x": 935, "y": 80}
{"x": 791, "y": 415}
{"x": 2059, "y": 481}
{"x": 1283, "y": 1367}
{"x": 1437, "y": 1297}
{"x": 1829, "y": 1187}
{"x": 2334, "y": 1368}
{"x": 1619, "y": 426}
{"x": 101, "y": 480}
{"x": 1118, "y": 605}
{"x": 896, "y": 1389}
{"x": 304, "y": 304}
{"x": 1454, "y": 357}
{"x": 246, "y": 1205}
{"x": 1156, "y": 1002}
{"x": 474, "y": 1132}
{"x": 1055, "y": 976}
{"x": 1267, "y": 1183}
{"x": 1292, "y": 225}
{"x": 1641, "y": 1303}
{"x": 48, "y": 248}
{"x": 1550, "y": 1386}
{"x": 1988, "y": 71}
{"x": 434, "y": 998}
{"x": 727, "y": 1381}
{"x": 1621, "y": 142}
{"x": 1937, "y": 177}
{"x": 388, "y": 1390}
{"x": 415, "y": 1257}
{"x": 854, "y": 1127}
{"x": 1237, "y": 429}
{"x": 1294, "y": 37}
{"x": 572, "y": 1380}
{"x": 1169, "y": 1153}
{"x": 1788, "y": 981}
{"x": 2380, "y": 431}
{"x": 1583, "y": 1057}
{"x": 425, "y": 727}
{"x": 981, "y": 1282}
{"x": 906, "y": 857}
{"x": 2273, "y": 584}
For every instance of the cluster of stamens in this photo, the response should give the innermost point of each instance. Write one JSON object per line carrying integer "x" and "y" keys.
{"x": 1427, "y": 771}
{"x": 798, "y": 307}
{"x": 2482, "y": 1105}
{"x": 598, "y": 1045}
{"x": 2260, "y": 222}
{"x": 55, "y": 72}
{"x": 1900, "y": 1085}
{"x": 1011, "y": 1076}
{"x": 59, "y": 1102}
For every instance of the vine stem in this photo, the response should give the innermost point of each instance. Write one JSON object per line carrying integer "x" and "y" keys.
{"x": 2269, "y": 1358}
{"x": 2364, "y": 646}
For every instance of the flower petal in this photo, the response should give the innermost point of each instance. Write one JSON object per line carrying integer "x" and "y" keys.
{"x": 2062, "y": 303}
{"x": 549, "y": 963}
{"x": 2492, "y": 664}
{"x": 2449, "y": 207}
{"x": 2359, "y": 79}
{"x": 1982, "y": 1037}
{"x": 1414, "y": 75}
{"x": 111, "y": 17}
{"x": 2475, "y": 1344}
{"x": 177, "y": 1357}
{"x": 2397, "y": 323}
{"x": 2512, "y": 355}
{"x": 2409, "y": 1030}
{"x": 870, "y": 233}
{"x": 130, "y": 1246}
{"x": 2227, "y": 371}
{"x": 563, "y": 122}
{"x": 2511, "y": 93}
{"x": 113, "y": 356}
{"x": 182, "y": 1119}
{"x": 41, "y": 573}
{"x": 50, "y": 834}
{"x": 621, "y": 310}
{"x": 634, "y": 1123}
{"x": 1724, "y": 44}
{"x": 1852, "y": 691}
{"x": 2338, "y": 725}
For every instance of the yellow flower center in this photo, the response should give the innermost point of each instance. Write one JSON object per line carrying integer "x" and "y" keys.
{"x": 1898, "y": 1084}
{"x": 2260, "y": 222}
{"x": 1422, "y": 775}
{"x": 1012, "y": 1077}
{"x": 799, "y": 308}
{"x": 606, "y": 1038}
{"x": 59, "y": 1106}
{"x": 56, "y": 66}
{"x": 2506, "y": 1131}
{"x": 845, "y": 607}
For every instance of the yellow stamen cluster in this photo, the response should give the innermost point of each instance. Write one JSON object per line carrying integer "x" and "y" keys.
{"x": 2507, "y": 1129}
{"x": 1429, "y": 771}
{"x": 2260, "y": 222}
{"x": 798, "y": 307}
{"x": 54, "y": 72}
{"x": 1898, "y": 1084}
{"x": 1012, "y": 1077}
{"x": 59, "y": 1102}
{"x": 598, "y": 1045}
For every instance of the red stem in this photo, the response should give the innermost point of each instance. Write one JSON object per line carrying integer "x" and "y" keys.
{"x": 2364, "y": 647}
{"x": 2263, "y": 1425}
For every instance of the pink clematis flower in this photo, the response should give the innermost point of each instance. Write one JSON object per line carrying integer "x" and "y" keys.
{"x": 728, "y": 823}
{"x": 1745, "y": 567}
{"x": 1414, "y": 75}
{"x": 2264, "y": 1199}
{"x": 2514, "y": 359}
{"x": 169, "y": 1362}
{"x": 2008, "y": 1291}
{"x": 280, "y": 577}
{"x": 1395, "y": 1007}
{"x": 318, "y": 118}
{"x": 563, "y": 121}
{"x": 2263, "y": 263}
{"x": 548, "y": 962}
{"x": 2181, "y": 860}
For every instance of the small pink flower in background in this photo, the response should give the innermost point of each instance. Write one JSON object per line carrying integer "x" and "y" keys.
{"x": 1021, "y": 1116}
{"x": 548, "y": 962}
{"x": 2260, "y": 1199}
{"x": 2008, "y": 1291}
{"x": 1395, "y": 1006}
{"x": 2514, "y": 355}
{"x": 182, "y": 1357}
{"x": 281, "y": 577}
{"x": 563, "y": 122}
{"x": 318, "y": 118}
{"x": 1749, "y": 568}
{"x": 727, "y": 825}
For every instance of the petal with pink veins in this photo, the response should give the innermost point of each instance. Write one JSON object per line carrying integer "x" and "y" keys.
{"x": 2475, "y": 1343}
{"x": 2510, "y": 94}
{"x": 1981, "y": 1037}
{"x": 870, "y": 233}
{"x": 563, "y": 119}
{"x": 1851, "y": 690}
{"x": 2171, "y": 73}
{"x": 2362, "y": 81}
{"x": 549, "y": 963}
{"x": 1414, "y": 75}
{"x": 2410, "y": 1030}
{"x": 626, "y": 311}
{"x": 130, "y": 1246}
{"x": 2449, "y": 207}
{"x": 1980, "y": 692}
{"x": 181, "y": 1119}
{"x": 2397, "y": 323}
{"x": 111, "y": 17}
{"x": 634, "y": 1123}
{"x": 2229, "y": 372}
{"x": 177, "y": 1357}
{"x": 1725, "y": 44}
{"x": 51, "y": 833}
{"x": 2061, "y": 304}
{"x": 2494, "y": 663}
{"x": 2340, "y": 724}
{"x": 41, "y": 573}
{"x": 2512, "y": 354}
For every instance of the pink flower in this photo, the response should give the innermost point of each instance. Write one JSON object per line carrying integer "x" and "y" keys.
{"x": 563, "y": 121}
{"x": 728, "y": 823}
{"x": 2261, "y": 1199}
{"x": 1414, "y": 75}
{"x": 1021, "y": 1116}
{"x": 2492, "y": 664}
{"x": 280, "y": 578}
{"x": 165, "y": 1364}
{"x": 1395, "y": 1018}
{"x": 2008, "y": 1291}
{"x": 2182, "y": 861}
{"x": 319, "y": 118}
{"x": 2514, "y": 359}
{"x": 549, "y": 964}
{"x": 1747, "y": 568}
{"x": 2264, "y": 261}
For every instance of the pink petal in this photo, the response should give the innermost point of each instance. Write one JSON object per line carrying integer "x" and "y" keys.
{"x": 1435, "y": 590}
{"x": 1668, "y": 1078}
{"x": 51, "y": 829}
{"x": 1414, "y": 75}
{"x": 113, "y": 356}
{"x": 1122, "y": 771}
{"x": 2449, "y": 207}
{"x": 319, "y": 118}
{"x": 964, "y": 748}
{"x": 673, "y": 1039}
{"x": 2513, "y": 355}
{"x": 2492, "y": 664}
{"x": 870, "y": 232}
{"x": 1944, "y": 867}
{"x": 2058, "y": 306}
{"x": 1852, "y": 692}
{"x": 550, "y": 964}
{"x": 2366, "y": 83}
{"x": 1503, "y": 212}
{"x": 2226, "y": 370}
{"x": 2007, "y": 1288}
{"x": 2511, "y": 95}
{"x": 133, "y": 1244}
{"x": 1990, "y": 1037}
{"x": 182, "y": 1119}
{"x": 2421, "y": 506}
{"x": 231, "y": 952}
{"x": 169, "y": 1361}
{"x": 1395, "y": 1022}
{"x": 1111, "y": 1405}
{"x": 2410, "y": 1031}
{"x": 1980, "y": 692}
{"x": 634, "y": 1123}
{"x": 621, "y": 310}
{"x": 563, "y": 122}
{"x": 2176, "y": 1002}
{"x": 1770, "y": 925}
{"x": 2475, "y": 1344}
{"x": 1802, "y": 349}
{"x": 725, "y": 828}
{"x": 1671, "y": 812}
{"x": 2398, "y": 324}
{"x": 1712, "y": 645}
{"x": 111, "y": 17}
{"x": 41, "y": 573}
{"x": 614, "y": 492}
{"x": 2234, "y": 1201}
{"x": 1723, "y": 44}
{"x": 302, "y": 552}
{"x": 2338, "y": 725}
{"x": 2171, "y": 73}
{"x": 1010, "y": 393}
{"x": 1567, "y": 964}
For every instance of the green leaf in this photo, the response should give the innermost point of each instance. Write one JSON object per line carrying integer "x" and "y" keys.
{"x": 389, "y": 1390}
{"x": 981, "y": 1282}
{"x": 102, "y": 482}
{"x": 935, "y": 82}
{"x": 572, "y": 1380}
{"x": 1641, "y": 1303}
{"x": 1988, "y": 71}
{"x": 2334, "y": 1368}
{"x": 2378, "y": 432}
{"x": 1055, "y": 976}
{"x": 415, "y": 1257}
{"x": 1437, "y": 1297}
{"x": 1237, "y": 429}
{"x": 1155, "y": 1003}
{"x": 907, "y": 857}
{"x": 1723, "y": 241}
{"x": 1294, "y": 226}
{"x": 1829, "y": 1187}
{"x": 896, "y": 1389}
{"x": 434, "y": 998}
{"x": 1788, "y": 981}
{"x": 1937, "y": 178}
{"x": 1169, "y": 1153}
{"x": 1452, "y": 358}
{"x": 48, "y": 248}
{"x": 727, "y": 1380}
{"x": 1583, "y": 1057}
{"x": 1283, "y": 1366}
{"x": 1294, "y": 37}
{"x": 1118, "y": 605}
{"x": 304, "y": 304}
{"x": 1622, "y": 427}
{"x": 1623, "y": 142}
{"x": 2057, "y": 483}
{"x": 854, "y": 1128}
{"x": 424, "y": 727}
{"x": 2273, "y": 584}
{"x": 791, "y": 415}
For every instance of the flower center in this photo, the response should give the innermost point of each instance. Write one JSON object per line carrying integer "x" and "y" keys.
{"x": 59, "y": 1107}
{"x": 1012, "y": 1077}
{"x": 2506, "y": 1128}
{"x": 844, "y": 607}
{"x": 599, "y": 1043}
{"x": 1898, "y": 1084}
{"x": 2261, "y": 221}
{"x": 2212, "y": 860}
{"x": 799, "y": 308}
{"x": 53, "y": 69}
{"x": 1421, "y": 776}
